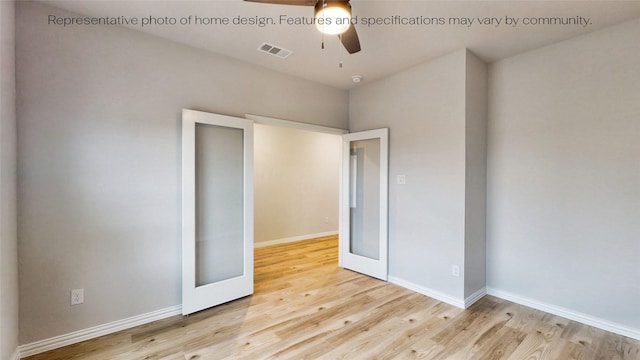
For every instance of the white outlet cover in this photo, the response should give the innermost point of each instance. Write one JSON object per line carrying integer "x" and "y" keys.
{"x": 455, "y": 270}
{"x": 77, "y": 296}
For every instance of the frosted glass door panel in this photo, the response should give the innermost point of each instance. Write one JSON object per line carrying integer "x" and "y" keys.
{"x": 365, "y": 198}
{"x": 219, "y": 203}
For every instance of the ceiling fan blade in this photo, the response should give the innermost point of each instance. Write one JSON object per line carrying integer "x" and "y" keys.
{"x": 350, "y": 40}
{"x": 286, "y": 2}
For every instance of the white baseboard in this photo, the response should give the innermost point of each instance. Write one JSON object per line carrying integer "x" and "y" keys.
{"x": 460, "y": 303}
{"x": 294, "y": 238}
{"x": 552, "y": 309}
{"x": 567, "y": 313}
{"x": 93, "y": 332}
{"x": 15, "y": 355}
{"x": 471, "y": 299}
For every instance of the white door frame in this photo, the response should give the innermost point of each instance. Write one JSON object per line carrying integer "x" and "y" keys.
{"x": 196, "y": 298}
{"x": 265, "y": 120}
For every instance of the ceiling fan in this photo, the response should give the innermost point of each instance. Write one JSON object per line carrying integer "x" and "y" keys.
{"x": 326, "y": 11}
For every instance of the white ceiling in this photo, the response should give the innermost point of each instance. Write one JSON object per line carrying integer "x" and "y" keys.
{"x": 386, "y": 49}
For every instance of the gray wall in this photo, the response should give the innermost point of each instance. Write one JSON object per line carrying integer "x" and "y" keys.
{"x": 425, "y": 109}
{"x": 99, "y": 168}
{"x": 564, "y": 175}
{"x": 99, "y": 163}
{"x": 8, "y": 239}
{"x": 296, "y": 183}
{"x": 476, "y": 175}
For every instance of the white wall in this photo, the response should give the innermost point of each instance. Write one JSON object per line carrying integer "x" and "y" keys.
{"x": 564, "y": 175}
{"x": 99, "y": 162}
{"x": 425, "y": 109}
{"x": 296, "y": 183}
{"x": 8, "y": 238}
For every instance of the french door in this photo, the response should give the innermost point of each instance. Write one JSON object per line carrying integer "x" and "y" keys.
{"x": 364, "y": 203}
{"x": 217, "y": 209}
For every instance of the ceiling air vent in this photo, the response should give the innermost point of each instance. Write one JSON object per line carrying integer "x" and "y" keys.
{"x": 274, "y": 50}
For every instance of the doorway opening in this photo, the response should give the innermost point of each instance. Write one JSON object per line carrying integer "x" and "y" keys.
{"x": 296, "y": 184}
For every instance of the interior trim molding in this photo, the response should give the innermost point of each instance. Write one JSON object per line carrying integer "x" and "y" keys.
{"x": 55, "y": 342}
{"x": 15, "y": 355}
{"x": 459, "y": 303}
{"x": 567, "y": 313}
{"x": 294, "y": 238}
{"x": 294, "y": 125}
{"x": 471, "y": 299}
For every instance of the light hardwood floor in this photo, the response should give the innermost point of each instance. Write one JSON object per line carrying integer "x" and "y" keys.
{"x": 305, "y": 307}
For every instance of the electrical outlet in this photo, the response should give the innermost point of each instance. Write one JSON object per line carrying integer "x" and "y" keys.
{"x": 455, "y": 270}
{"x": 77, "y": 296}
{"x": 402, "y": 179}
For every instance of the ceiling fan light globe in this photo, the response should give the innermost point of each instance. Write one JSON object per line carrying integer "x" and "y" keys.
{"x": 333, "y": 19}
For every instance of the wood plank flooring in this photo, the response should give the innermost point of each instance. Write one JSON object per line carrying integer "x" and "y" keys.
{"x": 305, "y": 307}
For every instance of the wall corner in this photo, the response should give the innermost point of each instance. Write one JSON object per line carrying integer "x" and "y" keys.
{"x": 476, "y": 101}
